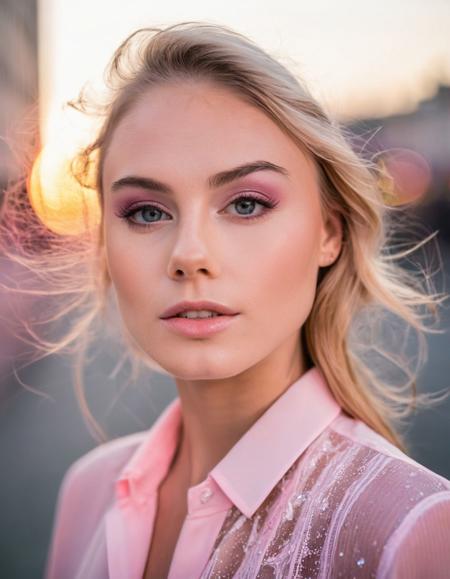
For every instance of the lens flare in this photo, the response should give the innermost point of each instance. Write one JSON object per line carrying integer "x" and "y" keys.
{"x": 410, "y": 176}
{"x": 60, "y": 202}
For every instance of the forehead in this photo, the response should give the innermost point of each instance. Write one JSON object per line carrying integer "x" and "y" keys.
{"x": 192, "y": 127}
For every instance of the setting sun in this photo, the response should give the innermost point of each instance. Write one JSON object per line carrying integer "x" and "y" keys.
{"x": 60, "y": 202}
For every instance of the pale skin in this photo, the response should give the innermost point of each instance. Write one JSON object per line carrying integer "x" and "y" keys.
{"x": 198, "y": 245}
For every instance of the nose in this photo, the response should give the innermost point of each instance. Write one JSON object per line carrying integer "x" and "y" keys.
{"x": 192, "y": 252}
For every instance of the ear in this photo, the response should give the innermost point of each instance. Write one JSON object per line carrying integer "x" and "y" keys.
{"x": 331, "y": 242}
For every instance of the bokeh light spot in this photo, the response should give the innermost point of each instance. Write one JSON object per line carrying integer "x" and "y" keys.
{"x": 61, "y": 203}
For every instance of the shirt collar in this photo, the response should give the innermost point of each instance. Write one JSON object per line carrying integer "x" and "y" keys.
{"x": 254, "y": 465}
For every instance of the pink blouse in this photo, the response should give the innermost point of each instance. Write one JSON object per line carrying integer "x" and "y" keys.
{"x": 306, "y": 492}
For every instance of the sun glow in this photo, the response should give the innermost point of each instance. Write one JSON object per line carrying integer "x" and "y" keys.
{"x": 61, "y": 203}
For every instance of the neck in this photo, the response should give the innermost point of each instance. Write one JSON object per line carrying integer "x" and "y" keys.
{"x": 216, "y": 413}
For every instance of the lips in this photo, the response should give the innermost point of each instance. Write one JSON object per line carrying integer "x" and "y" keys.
{"x": 185, "y": 306}
{"x": 201, "y": 327}
{"x": 215, "y": 314}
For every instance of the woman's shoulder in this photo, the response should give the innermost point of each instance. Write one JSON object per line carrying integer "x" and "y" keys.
{"x": 94, "y": 473}
{"x": 105, "y": 460}
{"x": 392, "y": 509}
{"x": 354, "y": 435}
{"x": 84, "y": 496}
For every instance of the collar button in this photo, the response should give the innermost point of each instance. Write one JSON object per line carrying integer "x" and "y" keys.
{"x": 206, "y": 494}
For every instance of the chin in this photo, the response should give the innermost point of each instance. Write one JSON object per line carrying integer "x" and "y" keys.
{"x": 205, "y": 368}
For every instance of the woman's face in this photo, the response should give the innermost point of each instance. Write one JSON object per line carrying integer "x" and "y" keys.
{"x": 199, "y": 238}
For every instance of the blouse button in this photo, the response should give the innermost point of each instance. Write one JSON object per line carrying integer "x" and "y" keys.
{"x": 206, "y": 494}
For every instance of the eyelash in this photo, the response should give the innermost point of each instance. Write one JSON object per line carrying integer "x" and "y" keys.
{"x": 128, "y": 212}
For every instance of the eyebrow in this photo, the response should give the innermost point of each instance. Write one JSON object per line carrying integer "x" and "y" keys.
{"x": 217, "y": 180}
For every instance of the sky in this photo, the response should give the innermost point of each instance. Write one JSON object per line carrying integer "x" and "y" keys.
{"x": 359, "y": 57}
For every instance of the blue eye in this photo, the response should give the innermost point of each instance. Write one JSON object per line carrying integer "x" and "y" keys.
{"x": 248, "y": 202}
{"x": 141, "y": 216}
{"x": 146, "y": 215}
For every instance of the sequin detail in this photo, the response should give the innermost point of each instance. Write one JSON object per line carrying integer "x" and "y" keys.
{"x": 314, "y": 522}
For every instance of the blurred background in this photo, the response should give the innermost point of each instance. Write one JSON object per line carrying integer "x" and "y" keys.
{"x": 382, "y": 69}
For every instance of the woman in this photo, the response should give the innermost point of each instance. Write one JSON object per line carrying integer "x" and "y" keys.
{"x": 241, "y": 241}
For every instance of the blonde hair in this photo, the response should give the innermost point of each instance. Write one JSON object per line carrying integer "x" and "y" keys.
{"x": 353, "y": 294}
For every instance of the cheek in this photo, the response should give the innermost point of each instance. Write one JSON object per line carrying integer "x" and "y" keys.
{"x": 130, "y": 268}
{"x": 286, "y": 271}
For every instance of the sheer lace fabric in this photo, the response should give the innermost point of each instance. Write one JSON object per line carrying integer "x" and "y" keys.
{"x": 336, "y": 513}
